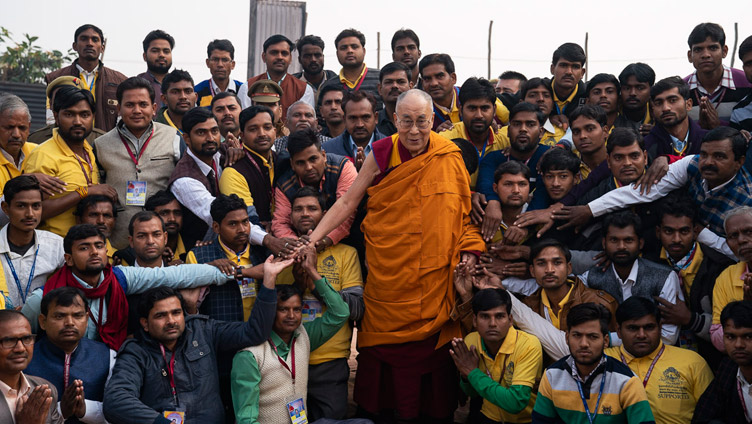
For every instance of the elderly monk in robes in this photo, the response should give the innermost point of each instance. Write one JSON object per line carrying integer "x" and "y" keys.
{"x": 417, "y": 229}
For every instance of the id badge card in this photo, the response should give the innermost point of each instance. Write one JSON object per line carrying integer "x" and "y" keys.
{"x": 297, "y": 412}
{"x": 312, "y": 309}
{"x": 135, "y": 194}
{"x": 247, "y": 288}
{"x": 175, "y": 417}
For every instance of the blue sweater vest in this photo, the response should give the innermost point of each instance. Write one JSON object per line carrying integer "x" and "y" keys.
{"x": 90, "y": 363}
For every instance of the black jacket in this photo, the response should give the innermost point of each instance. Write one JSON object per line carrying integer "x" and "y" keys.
{"x": 139, "y": 389}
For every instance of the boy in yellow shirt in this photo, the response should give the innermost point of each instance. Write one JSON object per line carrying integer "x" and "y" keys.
{"x": 498, "y": 362}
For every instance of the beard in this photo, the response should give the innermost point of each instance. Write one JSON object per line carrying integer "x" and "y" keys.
{"x": 158, "y": 69}
{"x": 92, "y": 269}
{"x": 68, "y": 136}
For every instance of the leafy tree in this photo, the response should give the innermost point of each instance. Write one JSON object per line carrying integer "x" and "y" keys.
{"x": 26, "y": 62}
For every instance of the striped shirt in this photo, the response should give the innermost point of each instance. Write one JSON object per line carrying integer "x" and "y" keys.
{"x": 623, "y": 399}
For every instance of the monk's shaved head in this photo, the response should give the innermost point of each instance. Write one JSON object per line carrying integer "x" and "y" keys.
{"x": 414, "y": 119}
{"x": 415, "y": 98}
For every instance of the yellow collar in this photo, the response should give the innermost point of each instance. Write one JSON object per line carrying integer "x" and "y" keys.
{"x": 453, "y": 108}
{"x": 563, "y": 103}
{"x": 349, "y": 83}
{"x": 232, "y": 255}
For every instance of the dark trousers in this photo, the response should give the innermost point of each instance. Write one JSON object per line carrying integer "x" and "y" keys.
{"x": 327, "y": 390}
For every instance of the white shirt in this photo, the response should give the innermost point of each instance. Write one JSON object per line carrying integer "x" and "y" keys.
{"x": 88, "y": 76}
{"x": 192, "y": 194}
{"x": 215, "y": 87}
{"x": 49, "y": 260}
{"x": 623, "y": 197}
{"x": 746, "y": 393}
{"x": 671, "y": 291}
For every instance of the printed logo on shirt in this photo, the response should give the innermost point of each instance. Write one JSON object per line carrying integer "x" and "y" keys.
{"x": 606, "y": 410}
{"x": 330, "y": 269}
{"x": 509, "y": 373}
{"x": 672, "y": 385}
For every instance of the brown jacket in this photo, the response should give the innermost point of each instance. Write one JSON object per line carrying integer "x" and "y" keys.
{"x": 580, "y": 294}
{"x": 105, "y": 90}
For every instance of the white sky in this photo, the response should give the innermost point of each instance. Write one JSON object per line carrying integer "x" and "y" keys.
{"x": 525, "y": 33}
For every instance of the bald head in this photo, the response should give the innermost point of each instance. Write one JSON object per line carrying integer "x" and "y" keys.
{"x": 415, "y": 98}
{"x": 414, "y": 119}
{"x": 301, "y": 115}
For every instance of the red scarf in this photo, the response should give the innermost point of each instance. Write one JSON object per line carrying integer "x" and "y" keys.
{"x": 113, "y": 331}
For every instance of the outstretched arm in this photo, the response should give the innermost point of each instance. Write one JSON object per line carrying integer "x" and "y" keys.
{"x": 346, "y": 205}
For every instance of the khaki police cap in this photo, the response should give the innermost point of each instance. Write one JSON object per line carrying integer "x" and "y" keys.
{"x": 61, "y": 81}
{"x": 265, "y": 91}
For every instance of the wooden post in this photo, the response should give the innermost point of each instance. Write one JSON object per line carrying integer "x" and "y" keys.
{"x": 736, "y": 40}
{"x": 587, "y": 57}
{"x": 378, "y": 50}
{"x": 490, "y": 28}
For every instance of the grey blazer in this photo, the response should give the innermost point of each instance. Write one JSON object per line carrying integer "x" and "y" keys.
{"x": 53, "y": 417}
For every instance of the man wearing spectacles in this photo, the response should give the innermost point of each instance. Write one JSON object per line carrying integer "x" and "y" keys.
{"x": 418, "y": 212}
{"x": 26, "y": 399}
{"x": 220, "y": 59}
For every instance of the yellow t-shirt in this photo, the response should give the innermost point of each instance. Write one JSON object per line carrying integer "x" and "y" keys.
{"x": 679, "y": 378}
{"x": 520, "y": 358}
{"x": 729, "y": 287}
{"x": 243, "y": 260}
{"x": 10, "y": 170}
{"x": 55, "y": 158}
{"x": 340, "y": 265}
{"x": 496, "y": 141}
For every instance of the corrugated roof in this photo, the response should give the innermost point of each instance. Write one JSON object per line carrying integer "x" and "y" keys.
{"x": 269, "y": 17}
{"x": 35, "y": 97}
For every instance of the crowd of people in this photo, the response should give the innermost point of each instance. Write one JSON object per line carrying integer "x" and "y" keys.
{"x": 543, "y": 249}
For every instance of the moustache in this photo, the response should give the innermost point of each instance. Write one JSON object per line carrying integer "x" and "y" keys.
{"x": 711, "y": 168}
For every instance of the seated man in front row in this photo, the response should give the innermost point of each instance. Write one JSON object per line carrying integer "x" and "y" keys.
{"x": 498, "y": 362}
{"x": 574, "y": 389}
{"x": 674, "y": 378}
{"x": 23, "y": 399}
{"x": 168, "y": 373}
{"x": 270, "y": 380}
{"x": 76, "y": 366}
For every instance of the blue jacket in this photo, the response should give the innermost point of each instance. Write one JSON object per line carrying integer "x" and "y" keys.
{"x": 139, "y": 389}
{"x": 342, "y": 146}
